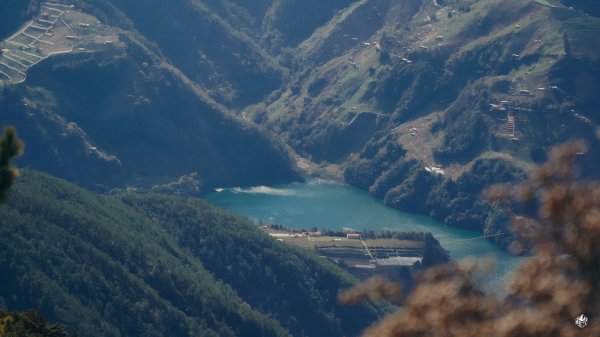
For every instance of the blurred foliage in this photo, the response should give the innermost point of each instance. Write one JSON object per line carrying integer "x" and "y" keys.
{"x": 557, "y": 284}
{"x": 29, "y": 324}
{"x": 10, "y": 147}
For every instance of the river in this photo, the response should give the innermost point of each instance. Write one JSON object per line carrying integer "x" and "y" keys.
{"x": 330, "y": 205}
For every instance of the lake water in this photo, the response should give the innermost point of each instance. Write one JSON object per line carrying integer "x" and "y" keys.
{"x": 324, "y": 204}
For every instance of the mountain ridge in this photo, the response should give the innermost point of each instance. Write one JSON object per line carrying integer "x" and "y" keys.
{"x": 111, "y": 106}
{"x": 454, "y": 85}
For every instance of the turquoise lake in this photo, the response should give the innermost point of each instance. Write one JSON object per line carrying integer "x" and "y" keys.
{"x": 324, "y": 204}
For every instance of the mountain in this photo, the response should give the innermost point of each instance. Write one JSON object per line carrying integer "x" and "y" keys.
{"x": 422, "y": 103}
{"x": 102, "y": 107}
{"x": 155, "y": 265}
{"x": 426, "y": 103}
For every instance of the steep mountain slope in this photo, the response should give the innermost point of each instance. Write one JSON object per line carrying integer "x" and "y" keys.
{"x": 421, "y": 59}
{"x": 401, "y": 98}
{"x": 229, "y": 47}
{"x": 14, "y": 12}
{"x": 110, "y": 110}
{"x": 151, "y": 265}
{"x": 427, "y": 98}
{"x": 210, "y": 50}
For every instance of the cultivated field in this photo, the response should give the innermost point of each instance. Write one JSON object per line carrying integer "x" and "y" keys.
{"x": 58, "y": 28}
{"x": 364, "y": 257}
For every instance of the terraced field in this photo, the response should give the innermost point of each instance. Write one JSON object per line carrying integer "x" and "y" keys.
{"x": 58, "y": 28}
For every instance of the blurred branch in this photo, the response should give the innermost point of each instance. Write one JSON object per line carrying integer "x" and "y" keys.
{"x": 10, "y": 147}
{"x": 559, "y": 282}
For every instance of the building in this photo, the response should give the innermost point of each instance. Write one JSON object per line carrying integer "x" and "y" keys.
{"x": 399, "y": 261}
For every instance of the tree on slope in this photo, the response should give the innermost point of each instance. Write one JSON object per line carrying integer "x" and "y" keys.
{"x": 27, "y": 323}
{"x": 10, "y": 147}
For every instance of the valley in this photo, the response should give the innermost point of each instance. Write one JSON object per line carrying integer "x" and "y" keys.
{"x": 332, "y": 208}
{"x": 146, "y": 263}
{"x": 379, "y": 117}
{"x": 352, "y": 251}
{"x": 76, "y": 109}
{"x": 441, "y": 88}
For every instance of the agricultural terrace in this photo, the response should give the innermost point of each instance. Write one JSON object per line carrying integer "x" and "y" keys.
{"x": 357, "y": 254}
{"x": 57, "y": 29}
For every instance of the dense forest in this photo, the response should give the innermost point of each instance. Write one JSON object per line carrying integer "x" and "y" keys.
{"x": 155, "y": 265}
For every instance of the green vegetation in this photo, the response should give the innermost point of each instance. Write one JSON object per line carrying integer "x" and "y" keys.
{"x": 441, "y": 68}
{"x": 102, "y": 113}
{"x": 344, "y": 86}
{"x": 341, "y": 86}
{"x": 406, "y": 185}
{"x": 154, "y": 265}
{"x": 589, "y": 6}
{"x": 552, "y": 293}
{"x": 490, "y": 84}
{"x": 210, "y": 42}
{"x": 393, "y": 243}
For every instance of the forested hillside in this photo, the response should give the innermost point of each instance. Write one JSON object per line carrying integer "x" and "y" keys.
{"x": 153, "y": 265}
{"x": 430, "y": 102}
{"x": 422, "y": 103}
{"x": 104, "y": 108}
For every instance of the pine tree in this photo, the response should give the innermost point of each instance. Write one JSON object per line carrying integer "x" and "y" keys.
{"x": 10, "y": 147}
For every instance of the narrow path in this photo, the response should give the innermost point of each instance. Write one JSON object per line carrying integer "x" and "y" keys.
{"x": 58, "y": 5}
{"x": 5, "y": 74}
{"x": 12, "y": 68}
{"x": 34, "y": 55}
{"x": 367, "y": 249}
{"x": 46, "y": 42}
{"x": 22, "y": 59}
{"x": 63, "y": 21}
{"x": 39, "y": 27}
{"x": 10, "y": 57}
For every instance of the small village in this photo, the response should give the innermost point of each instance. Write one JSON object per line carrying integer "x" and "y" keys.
{"x": 59, "y": 28}
{"x": 361, "y": 255}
